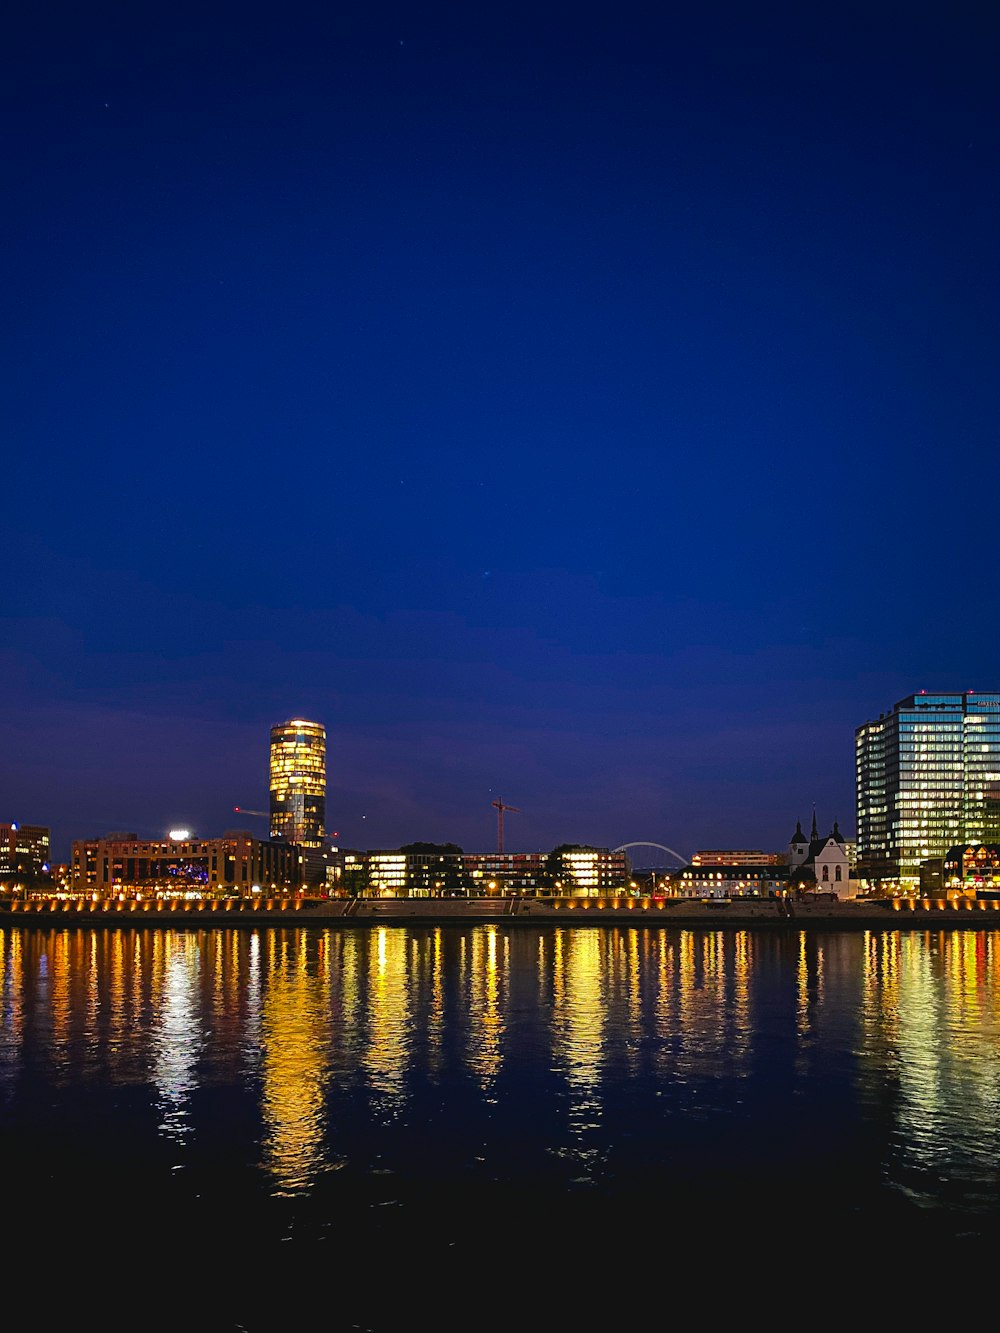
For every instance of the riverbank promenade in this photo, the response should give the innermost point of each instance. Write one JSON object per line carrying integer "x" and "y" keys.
{"x": 869, "y": 914}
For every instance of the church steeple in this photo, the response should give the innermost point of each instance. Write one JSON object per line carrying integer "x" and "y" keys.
{"x": 813, "y": 835}
{"x": 798, "y": 835}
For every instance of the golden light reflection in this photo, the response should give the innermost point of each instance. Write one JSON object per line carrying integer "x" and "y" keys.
{"x": 389, "y": 1019}
{"x": 485, "y": 994}
{"x": 435, "y": 1016}
{"x": 632, "y": 991}
{"x": 578, "y": 1020}
{"x": 117, "y": 982}
{"x": 668, "y": 953}
{"x": 712, "y": 1014}
{"x": 307, "y": 1015}
{"x": 802, "y": 988}
{"x": 295, "y": 1065}
{"x": 12, "y": 992}
{"x": 62, "y": 1008}
{"x": 742, "y": 971}
{"x": 347, "y": 966}
{"x": 931, "y": 1007}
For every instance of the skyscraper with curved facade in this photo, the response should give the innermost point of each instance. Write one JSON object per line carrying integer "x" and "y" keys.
{"x": 298, "y": 782}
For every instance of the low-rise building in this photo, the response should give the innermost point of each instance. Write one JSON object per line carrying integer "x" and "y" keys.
{"x": 185, "y": 866}
{"x": 723, "y": 879}
{"x": 737, "y": 857}
{"x": 587, "y": 872}
{"x": 971, "y": 869}
{"x": 429, "y": 870}
{"x": 521, "y": 873}
{"x": 813, "y": 864}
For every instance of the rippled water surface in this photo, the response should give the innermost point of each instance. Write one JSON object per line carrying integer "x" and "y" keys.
{"x": 419, "y": 1124}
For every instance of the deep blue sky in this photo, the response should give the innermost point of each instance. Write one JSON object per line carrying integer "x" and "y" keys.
{"x": 591, "y": 407}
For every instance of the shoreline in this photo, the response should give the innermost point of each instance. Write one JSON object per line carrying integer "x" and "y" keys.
{"x": 723, "y": 914}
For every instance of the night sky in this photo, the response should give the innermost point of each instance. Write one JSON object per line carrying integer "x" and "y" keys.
{"x": 590, "y": 407}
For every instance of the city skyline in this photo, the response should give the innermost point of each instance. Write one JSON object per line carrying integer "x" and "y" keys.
{"x": 261, "y": 824}
{"x": 927, "y": 795}
{"x": 299, "y": 746}
{"x": 588, "y": 411}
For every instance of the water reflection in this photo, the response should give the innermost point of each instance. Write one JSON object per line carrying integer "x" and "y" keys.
{"x": 487, "y": 969}
{"x": 590, "y": 1058}
{"x": 295, "y": 1066}
{"x": 578, "y": 1033}
{"x": 931, "y": 1052}
{"x": 388, "y": 1019}
{"x": 176, "y": 1038}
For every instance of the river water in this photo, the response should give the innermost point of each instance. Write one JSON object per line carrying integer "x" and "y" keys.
{"x": 414, "y": 1125}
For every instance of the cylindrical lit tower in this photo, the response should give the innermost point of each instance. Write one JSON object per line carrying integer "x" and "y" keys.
{"x": 298, "y": 782}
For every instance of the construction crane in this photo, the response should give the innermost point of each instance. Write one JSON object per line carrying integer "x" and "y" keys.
{"x": 500, "y": 809}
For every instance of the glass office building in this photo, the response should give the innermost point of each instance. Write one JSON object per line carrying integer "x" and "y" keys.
{"x": 298, "y": 782}
{"x": 927, "y": 779}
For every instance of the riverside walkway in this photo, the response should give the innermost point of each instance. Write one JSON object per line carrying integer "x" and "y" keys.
{"x": 869, "y": 914}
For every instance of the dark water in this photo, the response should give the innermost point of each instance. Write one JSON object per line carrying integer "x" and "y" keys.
{"x": 479, "y": 1126}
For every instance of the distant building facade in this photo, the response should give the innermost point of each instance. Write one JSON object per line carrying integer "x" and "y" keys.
{"x": 421, "y": 871}
{"x": 297, "y": 772}
{"x": 587, "y": 872}
{"x": 808, "y": 864}
{"x": 970, "y": 870}
{"x": 927, "y": 780}
{"x": 123, "y": 863}
{"x": 737, "y": 857}
{"x": 24, "y": 853}
{"x": 506, "y": 872}
{"x": 728, "y": 879}
{"x": 427, "y": 871}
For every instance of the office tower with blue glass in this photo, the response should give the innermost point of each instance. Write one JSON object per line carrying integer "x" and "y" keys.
{"x": 927, "y": 779}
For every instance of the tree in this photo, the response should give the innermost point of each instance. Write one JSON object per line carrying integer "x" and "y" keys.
{"x": 28, "y": 879}
{"x": 435, "y": 867}
{"x": 556, "y": 874}
{"x": 432, "y": 848}
{"x": 354, "y": 880}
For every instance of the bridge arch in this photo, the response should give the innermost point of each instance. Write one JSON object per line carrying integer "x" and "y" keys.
{"x": 681, "y": 858}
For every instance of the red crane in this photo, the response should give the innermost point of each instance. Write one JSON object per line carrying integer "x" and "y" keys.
{"x": 500, "y": 809}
